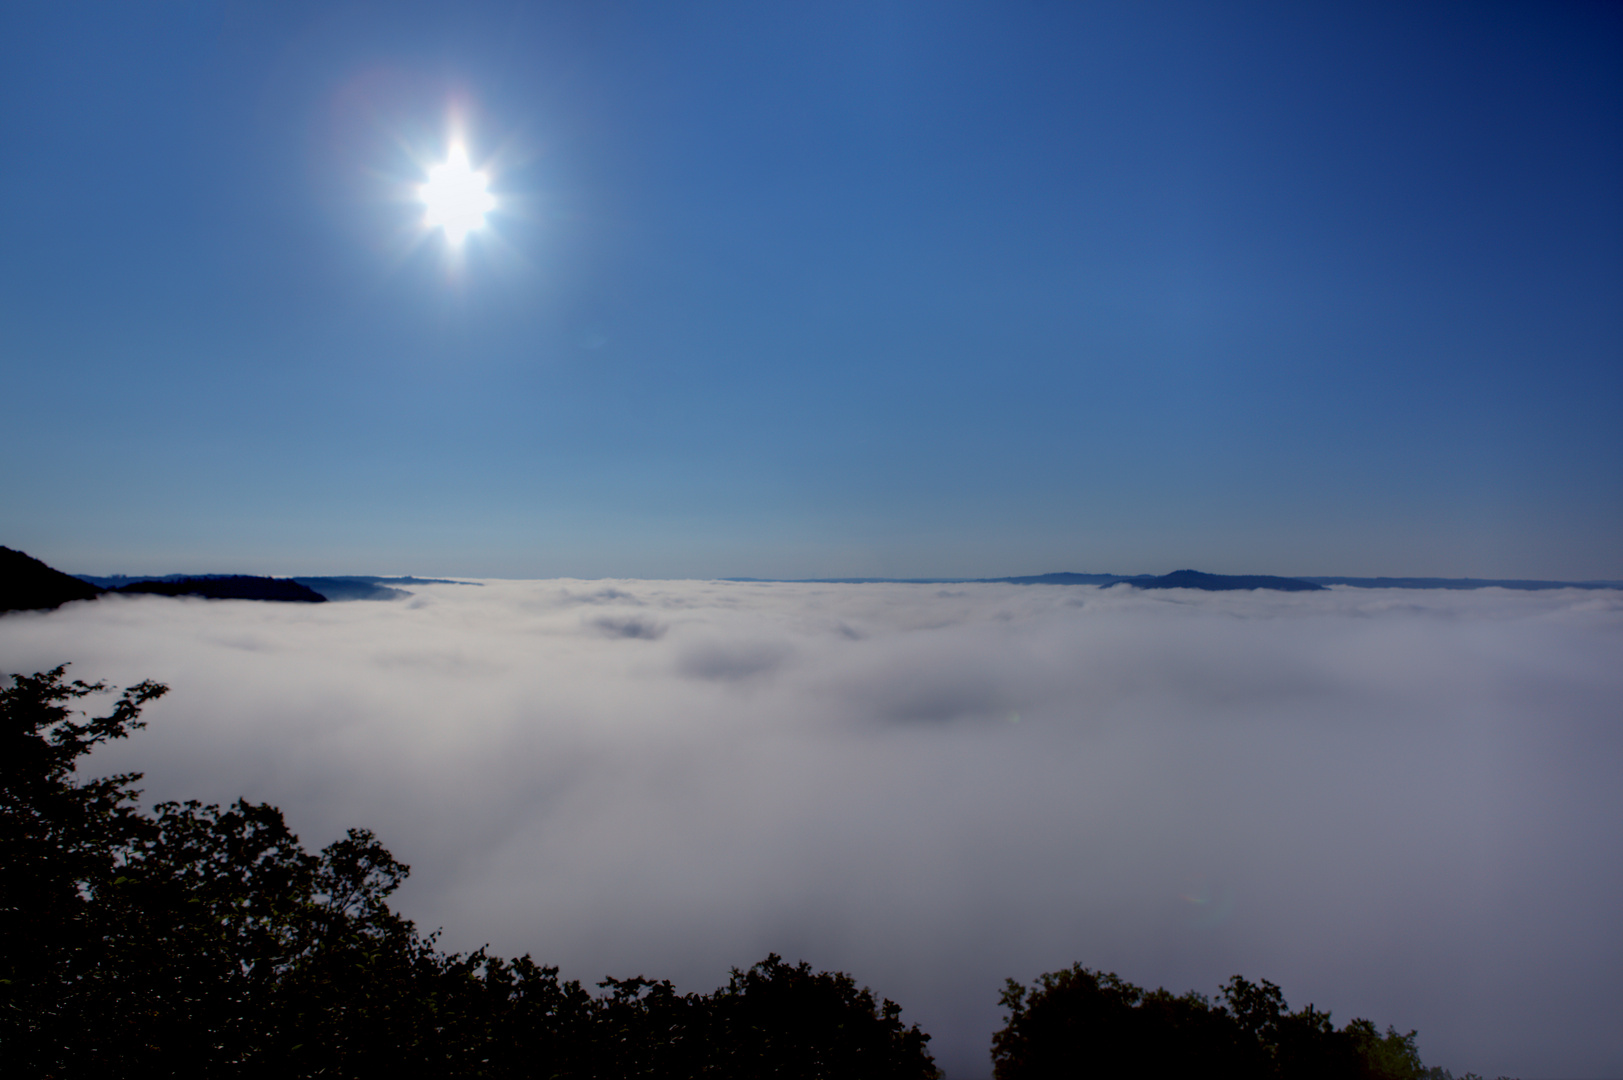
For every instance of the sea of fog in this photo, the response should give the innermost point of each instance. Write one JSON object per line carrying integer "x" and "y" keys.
{"x": 1404, "y": 805}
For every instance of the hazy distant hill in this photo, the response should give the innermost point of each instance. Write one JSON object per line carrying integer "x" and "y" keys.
{"x": 26, "y": 584}
{"x": 1067, "y": 579}
{"x": 351, "y": 588}
{"x": 230, "y": 587}
{"x": 1178, "y": 579}
{"x": 1459, "y": 583}
{"x": 1194, "y": 579}
{"x": 118, "y": 581}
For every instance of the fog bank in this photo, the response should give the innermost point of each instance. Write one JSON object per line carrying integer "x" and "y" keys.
{"x": 1397, "y": 804}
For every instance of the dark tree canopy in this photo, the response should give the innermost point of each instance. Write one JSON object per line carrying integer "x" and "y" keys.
{"x": 200, "y": 941}
{"x": 1080, "y": 1024}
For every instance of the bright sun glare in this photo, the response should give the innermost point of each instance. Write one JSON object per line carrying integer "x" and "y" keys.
{"x": 455, "y": 196}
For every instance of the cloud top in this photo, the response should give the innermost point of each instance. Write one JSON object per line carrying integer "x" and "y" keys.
{"x": 1396, "y": 804}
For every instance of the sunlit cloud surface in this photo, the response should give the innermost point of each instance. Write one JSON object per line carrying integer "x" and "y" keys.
{"x": 1402, "y": 805}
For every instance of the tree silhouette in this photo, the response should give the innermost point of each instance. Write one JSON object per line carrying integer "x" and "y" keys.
{"x": 1082, "y": 1023}
{"x": 202, "y": 941}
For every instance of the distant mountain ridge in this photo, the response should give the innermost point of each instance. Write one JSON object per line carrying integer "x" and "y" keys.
{"x": 1196, "y": 579}
{"x": 26, "y": 583}
{"x": 1178, "y": 579}
{"x": 1460, "y": 583}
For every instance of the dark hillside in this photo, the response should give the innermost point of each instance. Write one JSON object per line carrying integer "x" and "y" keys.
{"x": 26, "y": 584}
{"x": 333, "y": 588}
{"x": 232, "y": 587}
{"x": 1194, "y": 579}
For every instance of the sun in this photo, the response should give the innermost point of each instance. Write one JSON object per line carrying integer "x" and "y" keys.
{"x": 455, "y": 198}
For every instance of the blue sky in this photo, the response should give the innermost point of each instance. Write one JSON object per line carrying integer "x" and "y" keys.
{"x": 815, "y": 290}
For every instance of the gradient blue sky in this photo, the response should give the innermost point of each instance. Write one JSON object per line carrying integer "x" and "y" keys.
{"x": 814, "y": 290}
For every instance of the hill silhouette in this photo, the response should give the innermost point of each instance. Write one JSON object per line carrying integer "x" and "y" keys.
{"x": 230, "y": 587}
{"x": 26, "y": 584}
{"x": 345, "y": 587}
{"x": 1194, "y": 579}
{"x": 1178, "y": 579}
{"x": 1066, "y": 578}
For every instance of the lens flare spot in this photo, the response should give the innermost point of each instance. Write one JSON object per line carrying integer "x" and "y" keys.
{"x": 1207, "y": 905}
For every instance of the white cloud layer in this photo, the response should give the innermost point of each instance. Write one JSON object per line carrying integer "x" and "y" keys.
{"x": 1397, "y": 804}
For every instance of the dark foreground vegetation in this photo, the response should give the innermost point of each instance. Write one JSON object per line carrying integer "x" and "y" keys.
{"x": 201, "y": 941}
{"x": 1078, "y": 1023}
{"x": 198, "y": 941}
